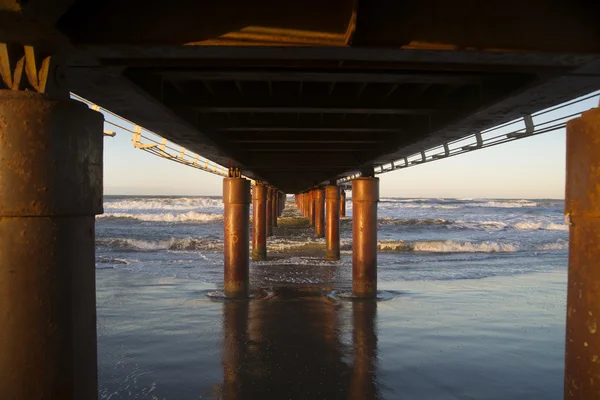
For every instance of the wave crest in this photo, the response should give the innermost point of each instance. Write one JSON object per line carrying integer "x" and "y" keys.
{"x": 191, "y": 216}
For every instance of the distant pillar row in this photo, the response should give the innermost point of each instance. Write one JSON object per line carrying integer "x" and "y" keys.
{"x": 274, "y": 207}
{"x": 365, "y": 195}
{"x": 319, "y": 213}
{"x": 311, "y": 208}
{"x": 332, "y": 225}
{"x": 269, "y": 211}
{"x": 582, "y": 209}
{"x": 51, "y": 175}
{"x": 236, "y": 200}
{"x": 343, "y": 203}
{"x": 259, "y": 222}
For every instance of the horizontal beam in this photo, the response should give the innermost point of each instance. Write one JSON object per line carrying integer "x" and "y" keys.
{"x": 307, "y": 129}
{"x": 308, "y": 141}
{"x": 324, "y": 110}
{"x": 341, "y": 76}
{"x": 301, "y": 150}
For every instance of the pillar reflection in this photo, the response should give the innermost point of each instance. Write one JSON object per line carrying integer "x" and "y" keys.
{"x": 363, "y": 384}
{"x": 290, "y": 346}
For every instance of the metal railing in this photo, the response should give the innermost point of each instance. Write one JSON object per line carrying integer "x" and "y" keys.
{"x": 156, "y": 144}
{"x": 484, "y": 139}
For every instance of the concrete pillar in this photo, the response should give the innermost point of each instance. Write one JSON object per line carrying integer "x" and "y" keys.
{"x": 342, "y": 203}
{"x": 50, "y": 191}
{"x": 311, "y": 208}
{"x": 236, "y": 199}
{"x": 259, "y": 225}
{"x": 582, "y": 207}
{"x": 275, "y": 207}
{"x": 320, "y": 213}
{"x": 365, "y": 195}
{"x": 269, "y": 211}
{"x": 332, "y": 226}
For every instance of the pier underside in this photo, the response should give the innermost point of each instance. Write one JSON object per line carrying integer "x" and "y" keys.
{"x": 293, "y": 95}
{"x": 297, "y": 94}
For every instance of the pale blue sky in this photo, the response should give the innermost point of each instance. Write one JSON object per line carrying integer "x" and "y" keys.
{"x": 528, "y": 168}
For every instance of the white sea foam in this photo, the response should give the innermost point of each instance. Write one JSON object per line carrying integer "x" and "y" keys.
{"x": 548, "y": 226}
{"x": 448, "y": 246}
{"x": 182, "y": 203}
{"x": 170, "y": 244}
{"x": 191, "y": 216}
{"x": 505, "y": 204}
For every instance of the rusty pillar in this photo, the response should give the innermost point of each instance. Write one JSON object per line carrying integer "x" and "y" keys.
{"x": 363, "y": 384}
{"x": 332, "y": 226}
{"x": 306, "y": 206}
{"x": 365, "y": 195}
{"x": 320, "y": 213}
{"x": 311, "y": 207}
{"x": 582, "y": 207}
{"x": 343, "y": 203}
{"x": 259, "y": 225}
{"x": 275, "y": 207}
{"x": 269, "y": 211}
{"x": 50, "y": 191}
{"x": 236, "y": 199}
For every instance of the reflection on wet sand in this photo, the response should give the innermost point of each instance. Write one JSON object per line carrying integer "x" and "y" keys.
{"x": 295, "y": 345}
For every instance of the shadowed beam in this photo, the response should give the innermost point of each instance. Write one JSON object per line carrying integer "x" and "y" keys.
{"x": 325, "y": 110}
{"x": 295, "y": 76}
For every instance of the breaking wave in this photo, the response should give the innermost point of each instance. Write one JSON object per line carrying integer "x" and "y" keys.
{"x": 179, "y": 203}
{"x": 191, "y": 216}
{"x": 451, "y": 246}
{"x": 189, "y": 244}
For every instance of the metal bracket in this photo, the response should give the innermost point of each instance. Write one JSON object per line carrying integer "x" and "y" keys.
{"x": 475, "y": 146}
{"x": 422, "y": 160}
{"x": 234, "y": 172}
{"x": 529, "y": 128}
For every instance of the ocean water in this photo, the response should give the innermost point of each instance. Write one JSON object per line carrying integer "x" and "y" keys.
{"x": 471, "y": 305}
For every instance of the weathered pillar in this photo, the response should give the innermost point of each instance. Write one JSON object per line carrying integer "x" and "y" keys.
{"x": 274, "y": 207}
{"x": 311, "y": 207}
{"x": 342, "y": 203}
{"x": 365, "y": 195}
{"x": 332, "y": 226}
{"x": 269, "y": 211}
{"x": 259, "y": 225}
{"x": 50, "y": 191}
{"x": 320, "y": 213}
{"x": 582, "y": 207}
{"x": 236, "y": 199}
{"x": 306, "y": 197}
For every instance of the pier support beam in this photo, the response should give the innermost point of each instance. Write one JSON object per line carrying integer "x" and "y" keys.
{"x": 365, "y": 195}
{"x": 275, "y": 207}
{"x": 269, "y": 211}
{"x": 259, "y": 222}
{"x": 320, "y": 213}
{"x": 582, "y": 207}
{"x": 332, "y": 226}
{"x": 311, "y": 207}
{"x": 236, "y": 199}
{"x": 343, "y": 203}
{"x": 50, "y": 190}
